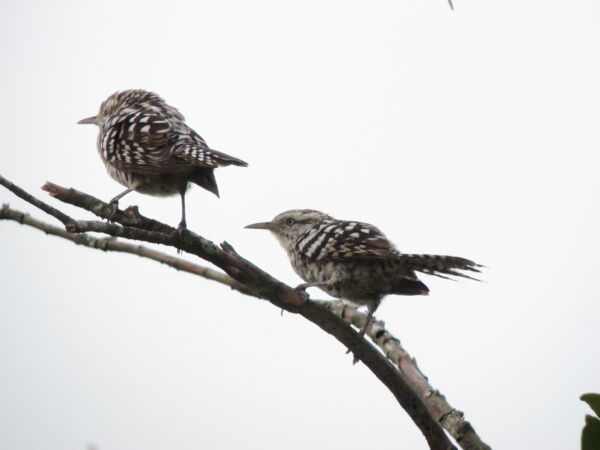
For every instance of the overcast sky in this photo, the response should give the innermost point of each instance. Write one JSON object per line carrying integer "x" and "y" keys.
{"x": 472, "y": 133}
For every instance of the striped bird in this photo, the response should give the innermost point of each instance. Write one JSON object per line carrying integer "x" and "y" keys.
{"x": 147, "y": 147}
{"x": 354, "y": 261}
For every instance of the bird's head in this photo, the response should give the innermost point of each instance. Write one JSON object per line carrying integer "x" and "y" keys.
{"x": 134, "y": 99}
{"x": 290, "y": 225}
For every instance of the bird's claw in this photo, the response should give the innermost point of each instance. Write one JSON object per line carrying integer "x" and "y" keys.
{"x": 181, "y": 228}
{"x": 354, "y": 359}
{"x": 114, "y": 207}
{"x": 303, "y": 293}
{"x": 301, "y": 288}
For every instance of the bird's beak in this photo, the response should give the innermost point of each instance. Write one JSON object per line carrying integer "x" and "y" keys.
{"x": 261, "y": 226}
{"x": 89, "y": 120}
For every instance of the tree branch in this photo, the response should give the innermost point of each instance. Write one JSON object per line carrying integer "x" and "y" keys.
{"x": 131, "y": 224}
{"x": 421, "y": 402}
{"x": 451, "y": 419}
{"x": 112, "y": 244}
{"x": 67, "y": 221}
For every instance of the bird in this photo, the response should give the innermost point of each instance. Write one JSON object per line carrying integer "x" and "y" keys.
{"x": 147, "y": 147}
{"x": 355, "y": 261}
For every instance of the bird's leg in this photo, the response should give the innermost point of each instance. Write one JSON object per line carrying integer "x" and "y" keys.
{"x": 114, "y": 203}
{"x": 182, "y": 225}
{"x": 370, "y": 311}
{"x": 371, "y": 307}
{"x": 304, "y": 286}
{"x": 334, "y": 279}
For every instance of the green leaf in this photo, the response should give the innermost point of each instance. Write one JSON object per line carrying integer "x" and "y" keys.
{"x": 593, "y": 400}
{"x": 590, "y": 436}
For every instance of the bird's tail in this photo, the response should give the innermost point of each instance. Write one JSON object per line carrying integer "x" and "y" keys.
{"x": 205, "y": 177}
{"x": 441, "y": 265}
{"x": 223, "y": 159}
{"x": 199, "y": 154}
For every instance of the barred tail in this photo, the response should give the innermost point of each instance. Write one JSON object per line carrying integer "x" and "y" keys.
{"x": 223, "y": 159}
{"x": 199, "y": 154}
{"x": 441, "y": 265}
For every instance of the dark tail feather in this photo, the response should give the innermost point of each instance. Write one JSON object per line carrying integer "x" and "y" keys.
{"x": 223, "y": 159}
{"x": 205, "y": 178}
{"x": 408, "y": 286}
{"x": 441, "y": 265}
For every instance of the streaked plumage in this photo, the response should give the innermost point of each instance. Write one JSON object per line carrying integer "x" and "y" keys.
{"x": 354, "y": 260}
{"x": 147, "y": 147}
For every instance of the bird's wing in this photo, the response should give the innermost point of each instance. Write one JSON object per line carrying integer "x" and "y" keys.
{"x": 150, "y": 143}
{"x": 140, "y": 142}
{"x": 344, "y": 240}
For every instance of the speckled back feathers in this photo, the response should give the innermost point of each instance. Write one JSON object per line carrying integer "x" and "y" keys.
{"x": 313, "y": 237}
{"x": 141, "y": 133}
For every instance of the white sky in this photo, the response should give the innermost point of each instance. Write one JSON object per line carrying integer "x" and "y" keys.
{"x": 471, "y": 132}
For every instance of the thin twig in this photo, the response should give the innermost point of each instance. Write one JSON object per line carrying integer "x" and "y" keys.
{"x": 113, "y": 244}
{"x": 67, "y": 221}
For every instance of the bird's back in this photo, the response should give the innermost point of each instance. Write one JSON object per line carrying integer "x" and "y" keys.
{"x": 146, "y": 144}
{"x": 358, "y": 256}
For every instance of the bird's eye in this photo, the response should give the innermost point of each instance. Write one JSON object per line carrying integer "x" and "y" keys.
{"x": 290, "y": 221}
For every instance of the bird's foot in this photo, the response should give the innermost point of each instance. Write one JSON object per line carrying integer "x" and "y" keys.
{"x": 181, "y": 228}
{"x": 361, "y": 333}
{"x": 304, "y": 294}
{"x": 114, "y": 207}
{"x": 301, "y": 288}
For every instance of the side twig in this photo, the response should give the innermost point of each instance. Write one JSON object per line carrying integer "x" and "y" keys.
{"x": 112, "y": 244}
{"x": 67, "y": 221}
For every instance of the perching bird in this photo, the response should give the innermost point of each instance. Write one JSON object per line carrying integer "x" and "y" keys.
{"x": 354, "y": 261}
{"x": 147, "y": 147}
